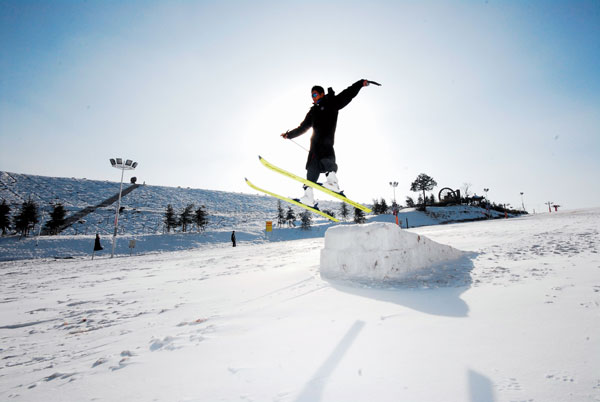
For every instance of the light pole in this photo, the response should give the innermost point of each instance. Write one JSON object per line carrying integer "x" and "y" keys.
{"x": 394, "y": 184}
{"x": 487, "y": 203}
{"x": 118, "y": 164}
{"x": 522, "y": 203}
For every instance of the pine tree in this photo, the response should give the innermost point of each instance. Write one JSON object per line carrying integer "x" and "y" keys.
{"x": 376, "y": 207}
{"x": 359, "y": 216}
{"x": 27, "y": 218}
{"x": 344, "y": 211}
{"x": 185, "y": 217}
{"x": 410, "y": 203}
{"x": 290, "y": 217}
{"x": 306, "y": 219}
{"x": 57, "y": 219}
{"x": 383, "y": 206}
{"x": 280, "y": 214}
{"x": 20, "y": 222}
{"x": 380, "y": 206}
{"x": 200, "y": 218}
{"x": 423, "y": 183}
{"x": 329, "y": 212}
{"x": 170, "y": 219}
{"x": 4, "y": 217}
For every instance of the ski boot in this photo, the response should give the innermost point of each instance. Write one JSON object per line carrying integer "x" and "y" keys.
{"x": 308, "y": 198}
{"x": 332, "y": 182}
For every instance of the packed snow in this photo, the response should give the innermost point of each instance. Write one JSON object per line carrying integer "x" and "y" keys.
{"x": 380, "y": 251}
{"x": 515, "y": 319}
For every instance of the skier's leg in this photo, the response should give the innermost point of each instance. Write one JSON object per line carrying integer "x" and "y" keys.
{"x": 328, "y": 164}
{"x": 313, "y": 170}
{"x": 312, "y": 173}
{"x": 329, "y": 167}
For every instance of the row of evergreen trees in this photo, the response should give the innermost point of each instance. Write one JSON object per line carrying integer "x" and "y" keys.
{"x": 28, "y": 217}
{"x": 186, "y": 218}
{"x": 25, "y": 221}
{"x": 289, "y": 217}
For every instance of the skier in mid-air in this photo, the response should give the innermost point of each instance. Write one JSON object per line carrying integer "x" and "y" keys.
{"x": 322, "y": 117}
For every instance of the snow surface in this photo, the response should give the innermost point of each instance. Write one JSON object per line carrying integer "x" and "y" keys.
{"x": 381, "y": 252}
{"x": 516, "y": 319}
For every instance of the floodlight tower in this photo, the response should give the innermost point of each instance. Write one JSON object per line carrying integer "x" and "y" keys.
{"x": 487, "y": 202}
{"x": 394, "y": 184}
{"x": 118, "y": 164}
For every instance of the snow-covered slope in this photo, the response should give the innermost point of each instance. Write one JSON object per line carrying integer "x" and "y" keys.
{"x": 143, "y": 215}
{"x": 144, "y": 207}
{"x": 516, "y": 319}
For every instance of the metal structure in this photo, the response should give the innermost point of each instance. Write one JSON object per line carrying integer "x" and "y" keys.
{"x": 448, "y": 195}
{"x": 117, "y": 163}
{"x": 522, "y": 203}
{"x": 394, "y": 184}
{"x": 487, "y": 203}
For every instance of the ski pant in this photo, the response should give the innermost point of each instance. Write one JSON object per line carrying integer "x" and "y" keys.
{"x": 315, "y": 167}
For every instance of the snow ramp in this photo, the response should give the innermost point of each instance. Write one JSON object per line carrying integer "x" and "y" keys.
{"x": 380, "y": 251}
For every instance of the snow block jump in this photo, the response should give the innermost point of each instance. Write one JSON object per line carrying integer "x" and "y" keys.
{"x": 379, "y": 251}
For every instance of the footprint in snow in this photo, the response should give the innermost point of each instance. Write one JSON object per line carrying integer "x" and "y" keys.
{"x": 100, "y": 361}
{"x": 61, "y": 376}
{"x": 166, "y": 343}
{"x": 124, "y": 362}
{"x": 561, "y": 378}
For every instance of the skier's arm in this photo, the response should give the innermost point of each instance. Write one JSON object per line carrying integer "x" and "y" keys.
{"x": 301, "y": 129}
{"x": 344, "y": 97}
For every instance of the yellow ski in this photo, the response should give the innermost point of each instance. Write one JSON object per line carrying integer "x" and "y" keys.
{"x": 316, "y": 211}
{"x": 313, "y": 185}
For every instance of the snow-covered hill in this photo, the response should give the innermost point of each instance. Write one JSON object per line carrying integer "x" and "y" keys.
{"x": 144, "y": 207}
{"x": 143, "y": 214}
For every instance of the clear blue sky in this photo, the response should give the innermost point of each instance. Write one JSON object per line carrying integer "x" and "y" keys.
{"x": 503, "y": 95}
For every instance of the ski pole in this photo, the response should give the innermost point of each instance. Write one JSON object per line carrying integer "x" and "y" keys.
{"x": 299, "y": 145}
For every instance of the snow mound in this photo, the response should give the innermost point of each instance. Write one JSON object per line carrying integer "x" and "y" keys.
{"x": 380, "y": 251}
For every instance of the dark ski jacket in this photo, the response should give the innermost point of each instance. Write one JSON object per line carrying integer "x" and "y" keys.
{"x": 97, "y": 245}
{"x": 322, "y": 117}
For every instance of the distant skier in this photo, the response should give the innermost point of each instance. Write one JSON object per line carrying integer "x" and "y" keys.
{"x": 97, "y": 245}
{"x": 322, "y": 117}
{"x": 233, "y": 238}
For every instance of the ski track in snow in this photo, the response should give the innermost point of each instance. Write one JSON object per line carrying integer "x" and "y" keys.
{"x": 64, "y": 321}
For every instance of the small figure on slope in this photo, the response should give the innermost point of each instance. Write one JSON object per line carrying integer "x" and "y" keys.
{"x": 97, "y": 245}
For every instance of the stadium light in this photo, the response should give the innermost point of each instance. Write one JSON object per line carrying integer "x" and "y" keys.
{"x": 394, "y": 184}
{"x": 117, "y": 163}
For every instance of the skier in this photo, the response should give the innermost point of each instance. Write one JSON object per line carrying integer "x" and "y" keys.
{"x": 233, "y": 238}
{"x": 322, "y": 117}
